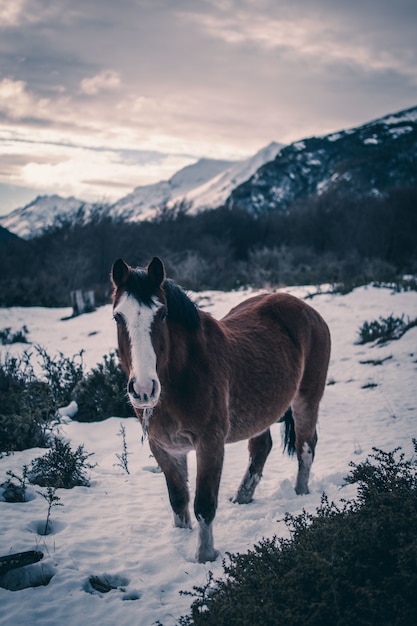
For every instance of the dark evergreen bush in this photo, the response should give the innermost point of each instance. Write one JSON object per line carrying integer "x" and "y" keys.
{"x": 353, "y": 565}
{"x": 384, "y": 329}
{"x": 29, "y": 404}
{"x": 27, "y": 408}
{"x": 62, "y": 374}
{"x": 8, "y": 337}
{"x": 61, "y": 467}
{"x": 102, "y": 392}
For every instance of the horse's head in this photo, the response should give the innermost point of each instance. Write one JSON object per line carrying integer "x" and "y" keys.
{"x": 140, "y": 309}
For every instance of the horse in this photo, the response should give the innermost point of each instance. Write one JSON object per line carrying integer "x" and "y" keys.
{"x": 198, "y": 383}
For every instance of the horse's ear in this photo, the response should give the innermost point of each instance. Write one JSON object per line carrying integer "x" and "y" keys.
{"x": 156, "y": 271}
{"x": 120, "y": 273}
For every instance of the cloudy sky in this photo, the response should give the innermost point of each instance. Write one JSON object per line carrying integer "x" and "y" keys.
{"x": 98, "y": 96}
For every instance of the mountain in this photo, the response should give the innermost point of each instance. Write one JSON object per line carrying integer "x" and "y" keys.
{"x": 6, "y": 235}
{"x": 204, "y": 184}
{"x": 364, "y": 161}
{"x": 146, "y": 200}
{"x": 215, "y": 192}
{"x": 44, "y": 212}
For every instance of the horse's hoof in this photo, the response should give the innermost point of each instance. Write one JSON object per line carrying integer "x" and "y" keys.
{"x": 207, "y": 556}
{"x": 241, "y": 499}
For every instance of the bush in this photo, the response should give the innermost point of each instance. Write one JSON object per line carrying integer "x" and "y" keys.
{"x": 351, "y": 565}
{"x": 29, "y": 405}
{"x": 27, "y": 408}
{"x": 8, "y": 337}
{"x": 102, "y": 393}
{"x": 61, "y": 467}
{"x": 384, "y": 329}
{"x": 62, "y": 374}
{"x": 28, "y": 411}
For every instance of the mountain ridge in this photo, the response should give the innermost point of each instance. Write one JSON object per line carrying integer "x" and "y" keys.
{"x": 364, "y": 161}
{"x": 212, "y": 178}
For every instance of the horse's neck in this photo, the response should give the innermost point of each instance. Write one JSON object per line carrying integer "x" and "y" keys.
{"x": 190, "y": 349}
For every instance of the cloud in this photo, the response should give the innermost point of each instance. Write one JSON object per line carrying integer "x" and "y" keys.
{"x": 16, "y": 102}
{"x": 105, "y": 80}
{"x": 325, "y": 41}
{"x": 89, "y": 173}
{"x": 11, "y": 12}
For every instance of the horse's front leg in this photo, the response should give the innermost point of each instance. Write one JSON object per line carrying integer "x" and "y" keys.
{"x": 176, "y": 476}
{"x": 209, "y": 468}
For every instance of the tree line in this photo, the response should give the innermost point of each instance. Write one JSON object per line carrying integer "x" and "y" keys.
{"x": 332, "y": 238}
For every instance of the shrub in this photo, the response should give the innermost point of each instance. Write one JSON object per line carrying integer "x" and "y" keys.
{"x": 351, "y": 565}
{"x": 384, "y": 329}
{"x": 27, "y": 408}
{"x": 12, "y": 491}
{"x": 102, "y": 393}
{"x": 61, "y": 467}
{"x": 8, "y": 337}
{"x": 62, "y": 374}
{"x": 29, "y": 404}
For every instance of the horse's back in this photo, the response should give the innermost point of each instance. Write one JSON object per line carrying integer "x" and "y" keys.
{"x": 279, "y": 313}
{"x": 277, "y": 345}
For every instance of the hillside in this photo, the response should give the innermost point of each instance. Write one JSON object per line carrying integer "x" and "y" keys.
{"x": 361, "y": 162}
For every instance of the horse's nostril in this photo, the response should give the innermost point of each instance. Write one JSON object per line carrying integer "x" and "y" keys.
{"x": 145, "y": 392}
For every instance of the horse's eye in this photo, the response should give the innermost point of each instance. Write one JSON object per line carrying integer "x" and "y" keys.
{"x": 163, "y": 314}
{"x": 118, "y": 318}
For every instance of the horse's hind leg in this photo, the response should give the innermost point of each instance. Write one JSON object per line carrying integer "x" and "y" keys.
{"x": 305, "y": 415}
{"x": 176, "y": 476}
{"x": 259, "y": 448}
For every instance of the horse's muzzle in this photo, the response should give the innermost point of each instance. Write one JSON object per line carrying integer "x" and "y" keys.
{"x": 144, "y": 395}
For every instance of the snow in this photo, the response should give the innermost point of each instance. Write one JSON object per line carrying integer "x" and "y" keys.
{"x": 120, "y": 528}
{"x": 216, "y": 191}
{"x": 200, "y": 186}
{"x": 145, "y": 201}
{"x": 371, "y": 140}
{"x": 42, "y": 213}
{"x": 401, "y": 130}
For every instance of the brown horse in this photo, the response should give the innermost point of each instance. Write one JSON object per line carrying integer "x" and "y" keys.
{"x": 198, "y": 383}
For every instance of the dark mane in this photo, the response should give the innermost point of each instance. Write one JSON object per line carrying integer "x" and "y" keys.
{"x": 181, "y": 309}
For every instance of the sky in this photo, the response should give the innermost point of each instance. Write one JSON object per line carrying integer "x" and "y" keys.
{"x": 99, "y": 97}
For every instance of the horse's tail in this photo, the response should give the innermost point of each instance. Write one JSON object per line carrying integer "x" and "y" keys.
{"x": 289, "y": 432}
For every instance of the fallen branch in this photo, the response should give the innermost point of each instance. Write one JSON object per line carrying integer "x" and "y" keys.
{"x": 13, "y": 561}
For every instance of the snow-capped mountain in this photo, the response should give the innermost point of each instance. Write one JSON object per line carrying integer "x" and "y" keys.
{"x": 204, "y": 184}
{"x": 146, "y": 200}
{"x": 215, "y": 192}
{"x": 361, "y": 162}
{"x": 43, "y": 212}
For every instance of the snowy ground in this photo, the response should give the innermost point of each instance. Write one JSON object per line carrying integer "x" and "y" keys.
{"x": 121, "y": 527}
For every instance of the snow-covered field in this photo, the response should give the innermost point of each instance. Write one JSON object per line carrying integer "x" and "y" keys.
{"x": 120, "y": 529}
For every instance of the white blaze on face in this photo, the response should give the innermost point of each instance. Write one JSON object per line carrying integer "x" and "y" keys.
{"x": 144, "y": 386}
